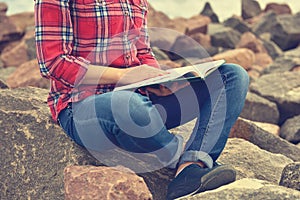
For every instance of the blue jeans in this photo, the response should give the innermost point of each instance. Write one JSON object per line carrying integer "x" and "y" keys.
{"x": 140, "y": 124}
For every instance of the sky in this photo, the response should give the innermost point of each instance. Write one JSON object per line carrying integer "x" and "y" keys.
{"x": 175, "y": 8}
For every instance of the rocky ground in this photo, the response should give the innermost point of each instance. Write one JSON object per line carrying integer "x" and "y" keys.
{"x": 39, "y": 161}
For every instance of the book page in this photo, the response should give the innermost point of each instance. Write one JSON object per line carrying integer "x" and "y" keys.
{"x": 201, "y": 70}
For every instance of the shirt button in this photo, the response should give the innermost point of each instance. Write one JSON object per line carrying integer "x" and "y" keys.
{"x": 127, "y": 56}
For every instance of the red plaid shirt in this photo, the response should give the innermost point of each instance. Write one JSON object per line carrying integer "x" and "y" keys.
{"x": 70, "y": 34}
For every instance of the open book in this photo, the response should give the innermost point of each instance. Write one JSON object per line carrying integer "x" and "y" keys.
{"x": 188, "y": 73}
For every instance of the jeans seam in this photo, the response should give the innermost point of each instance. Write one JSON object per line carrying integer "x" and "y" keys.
{"x": 204, "y": 142}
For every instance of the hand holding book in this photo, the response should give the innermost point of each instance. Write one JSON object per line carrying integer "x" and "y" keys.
{"x": 201, "y": 70}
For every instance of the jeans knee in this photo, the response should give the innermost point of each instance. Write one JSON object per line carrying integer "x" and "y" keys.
{"x": 237, "y": 74}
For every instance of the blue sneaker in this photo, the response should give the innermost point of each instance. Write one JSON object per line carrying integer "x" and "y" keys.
{"x": 194, "y": 179}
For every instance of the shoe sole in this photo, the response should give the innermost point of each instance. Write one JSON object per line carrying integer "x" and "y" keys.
{"x": 220, "y": 176}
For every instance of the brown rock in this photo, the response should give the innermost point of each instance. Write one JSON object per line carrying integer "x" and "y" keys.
{"x": 263, "y": 59}
{"x": 161, "y": 20}
{"x": 202, "y": 39}
{"x": 243, "y": 57}
{"x": 253, "y": 74}
{"x": 279, "y": 9}
{"x": 8, "y": 31}
{"x": 27, "y": 74}
{"x": 3, "y": 8}
{"x": 23, "y": 20}
{"x": 271, "y": 128}
{"x": 89, "y": 182}
{"x": 16, "y": 56}
{"x": 250, "y": 41}
{"x": 197, "y": 24}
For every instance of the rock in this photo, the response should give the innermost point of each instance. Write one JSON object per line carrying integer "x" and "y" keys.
{"x": 23, "y": 20}
{"x": 285, "y": 92}
{"x": 157, "y": 18}
{"x": 271, "y": 128}
{"x": 1, "y": 64}
{"x": 253, "y": 74}
{"x": 163, "y": 38}
{"x": 159, "y": 54}
{"x": 15, "y": 56}
{"x": 3, "y": 85}
{"x": 296, "y": 69}
{"x": 249, "y": 189}
{"x": 250, "y": 8}
{"x": 237, "y": 24}
{"x": 35, "y": 150}
{"x": 243, "y": 57}
{"x": 185, "y": 47}
{"x": 222, "y": 36}
{"x": 265, "y": 23}
{"x": 290, "y": 130}
{"x": 260, "y": 109}
{"x": 294, "y": 53}
{"x": 250, "y": 41}
{"x": 250, "y": 161}
{"x": 208, "y": 11}
{"x": 105, "y": 183}
{"x": 279, "y": 9}
{"x": 8, "y": 32}
{"x": 247, "y": 130}
{"x": 6, "y": 72}
{"x": 29, "y": 141}
{"x": 3, "y": 8}
{"x": 31, "y": 49}
{"x": 282, "y": 64}
{"x": 263, "y": 59}
{"x": 202, "y": 39}
{"x": 272, "y": 48}
{"x": 197, "y": 24}
{"x": 286, "y": 32}
{"x": 160, "y": 20}
{"x": 290, "y": 176}
{"x": 28, "y": 74}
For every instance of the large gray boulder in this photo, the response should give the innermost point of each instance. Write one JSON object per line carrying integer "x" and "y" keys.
{"x": 249, "y": 189}
{"x": 35, "y": 150}
{"x": 247, "y": 130}
{"x": 260, "y": 109}
{"x": 250, "y": 161}
{"x": 281, "y": 88}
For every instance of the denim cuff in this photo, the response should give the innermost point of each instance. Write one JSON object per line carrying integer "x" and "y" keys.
{"x": 194, "y": 156}
{"x": 173, "y": 163}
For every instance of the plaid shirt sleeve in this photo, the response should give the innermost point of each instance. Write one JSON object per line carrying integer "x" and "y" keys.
{"x": 145, "y": 54}
{"x": 54, "y": 37}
